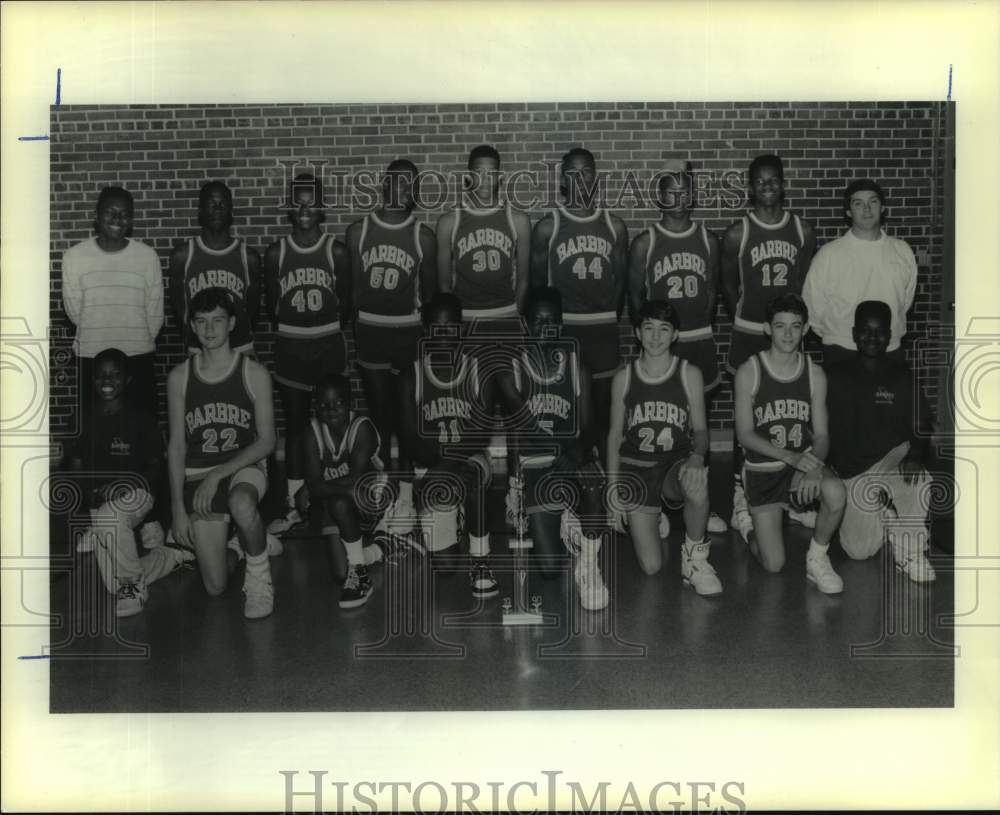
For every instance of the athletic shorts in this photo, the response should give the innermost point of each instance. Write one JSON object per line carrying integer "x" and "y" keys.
{"x": 301, "y": 363}
{"x": 599, "y": 347}
{"x": 370, "y": 507}
{"x": 444, "y": 485}
{"x": 255, "y": 475}
{"x": 701, "y": 354}
{"x": 652, "y": 477}
{"x": 553, "y": 486}
{"x": 386, "y": 348}
{"x": 744, "y": 345}
{"x": 770, "y": 488}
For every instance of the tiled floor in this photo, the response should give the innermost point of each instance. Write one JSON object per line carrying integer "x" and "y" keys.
{"x": 768, "y": 641}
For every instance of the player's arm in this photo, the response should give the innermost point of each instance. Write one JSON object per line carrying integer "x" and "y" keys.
{"x": 344, "y": 279}
{"x": 514, "y": 406}
{"x": 747, "y": 436}
{"x": 154, "y": 294}
{"x": 151, "y": 453}
{"x": 522, "y": 271}
{"x": 445, "y": 226}
{"x": 272, "y": 286}
{"x": 588, "y": 436}
{"x": 253, "y": 285}
{"x": 178, "y": 298}
{"x": 714, "y": 274}
{"x": 176, "y": 453}
{"x": 820, "y": 418}
{"x": 407, "y": 412}
{"x": 694, "y": 473}
{"x": 637, "y": 272}
{"x": 620, "y": 263}
{"x": 613, "y": 446}
{"x": 921, "y": 429}
{"x": 354, "y": 256}
{"x": 428, "y": 264}
{"x": 730, "y": 266}
{"x": 540, "y": 237}
{"x": 808, "y": 248}
{"x": 72, "y": 291}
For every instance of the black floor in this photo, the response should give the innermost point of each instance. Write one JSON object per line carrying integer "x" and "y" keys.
{"x": 422, "y": 643}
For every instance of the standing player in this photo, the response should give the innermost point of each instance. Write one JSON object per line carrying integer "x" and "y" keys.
{"x": 221, "y": 432}
{"x": 677, "y": 260}
{"x": 582, "y": 250}
{"x": 393, "y": 267}
{"x": 764, "y": 254}
{"x": 657, "y": 404}
{"x": 307, "y": 281}
{"x": 443, "y": 421}
{"x": 781, "y": 422}
{"x": 555, "y": 446}
{"x": 215, "y": 259}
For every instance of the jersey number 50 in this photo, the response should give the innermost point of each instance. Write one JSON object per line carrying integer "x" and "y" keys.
{"x": 384, "y": 277}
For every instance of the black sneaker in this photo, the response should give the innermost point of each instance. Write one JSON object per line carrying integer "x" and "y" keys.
{"x": 483, "y": 582}
{"x": 130, "y": 599}
{"x": 395, "y": 548}
{"x": 357, "y": 587}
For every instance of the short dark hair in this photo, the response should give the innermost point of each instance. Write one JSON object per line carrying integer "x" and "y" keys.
{"x": 208, "y": 187}
{"x": 306, "y": 181}
{"x": 442, "y": 301}
{"x": 114, "y": 191}
{"x": 401, "y": 165}
{"x": 544, "y": 295}
{"x": 336, "y": 382}
{"x": 685, "y": 176}
{"x": 657, "y": 310}
{"x": 790, "y": 303}
{"x": 872, "y": 308}
{"x": 114, "y": 355}
{"x": 484, "y": 151}
{"x": 578, "y": 152}
{"x": 767, "y": 160}
{"x": 208, "y": 300}
{"x": 861, "y": 185}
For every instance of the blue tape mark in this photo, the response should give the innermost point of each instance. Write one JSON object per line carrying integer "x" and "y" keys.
{"x": 58, "y": 85}
{"x": 32, "y": 138}
{"x": 34, "y": 656}
{"x": 949, "y": 82}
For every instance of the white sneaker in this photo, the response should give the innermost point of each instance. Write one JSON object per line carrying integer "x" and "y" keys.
{"x": 258, "y": 597}
{"x": 234, "y": 544}
{"x": 570, "y": 531}
{"x": 274, "y": 546}
{"x": 291, "y": 518}
{"x": 590, "y": 585}
{"x": 807, "y": 518}
{"x": 400, "y": 517}
{"x": 151, "y": 535}
{"x": 664, "y": 528}
{"x": 715, "y": 524}
{"x": 917, "y": 567}
{"x": 742, "y": 522}
{"x": 697, "y": 572}
{"x": 131, "y": 598}
{"x": 819, "y": 572}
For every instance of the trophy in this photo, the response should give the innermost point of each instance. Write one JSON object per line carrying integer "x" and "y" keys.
{"x": 520, "y": 609}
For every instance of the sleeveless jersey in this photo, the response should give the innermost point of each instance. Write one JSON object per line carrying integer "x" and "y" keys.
{"x": 769, "y": 266}
{"x": 551, "y": 402}
{"x": 219, "y": 269}
{"x": 580, "y": 266}
{"x": 307, "y": 299}
{"x": 218, "y": 415}
{"x": 782, "y": 410}
{"x": 335, "y": 459}
{"x": 389, "y": 290}
{"x": 656, "y": 414}
{"x": 484, "y": 262}
{"x": 446, "y": 409}
{"x": 677, "y": 270}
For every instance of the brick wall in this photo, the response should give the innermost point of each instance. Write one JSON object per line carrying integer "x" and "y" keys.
{"x": 164, "y": 154}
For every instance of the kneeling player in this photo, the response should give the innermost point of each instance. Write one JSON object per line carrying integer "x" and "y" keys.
{"x": 556, "y": 451}
{"x": 781, "y": 423}
{"x": 342, "y": 470}
{"x": 442, "y": 409}
{"x": 221, "y": 432}
{"x": 657, "y": 402}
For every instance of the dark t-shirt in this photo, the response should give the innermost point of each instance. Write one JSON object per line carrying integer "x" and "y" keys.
{"x": 871, "y": 412}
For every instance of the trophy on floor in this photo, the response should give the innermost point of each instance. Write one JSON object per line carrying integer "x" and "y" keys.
{"x": 520, "y": 609}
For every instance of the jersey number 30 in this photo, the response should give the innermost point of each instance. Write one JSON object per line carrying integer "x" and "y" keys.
{"x": 665, "y": 441}
{"x": 210, "y": 440}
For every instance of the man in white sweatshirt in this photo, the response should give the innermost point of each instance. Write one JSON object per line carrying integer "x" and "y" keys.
{"x": 863, "y": 264}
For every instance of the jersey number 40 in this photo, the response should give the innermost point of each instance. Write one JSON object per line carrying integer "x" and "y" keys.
{"x": 311, "y": 300}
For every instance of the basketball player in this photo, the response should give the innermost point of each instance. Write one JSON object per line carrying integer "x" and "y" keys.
{"x": 393, "y": 267}
{"x": 657, "y": 406}
{"x": 340, "y": 453}
{"x": 443, "y": 421}
{"x": 307, "y": 281}
{"x": 221, "y": 432}
{"x": 120, "y": 453}
{"x": 677, "y": 260}
{"x": 555, "y": 446}
{"x": 215, "y": 259}
{"x": 781, "y": 422}
{"x": 582, "y": 250}
{"x": 764, "y": 254}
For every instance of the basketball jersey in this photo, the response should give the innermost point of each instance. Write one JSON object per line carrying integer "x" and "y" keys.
{"x": 580, "y": 266}
{"x": 550, "y": 400}
{"x": 307, "y": 300}
{"x": 677, "y": 270}
{"x": 782, "y": 410}
{"x": 335, "y": 459}
{"x": 769, "y": 266}
{"x": 219, "y": 269}
{"x": 446, "y": 409}
{"x": 657, "y": 422}
{"x": 484, "y": 262}
{"x": 218, "y": 415}
{"x": 389, "y": 290}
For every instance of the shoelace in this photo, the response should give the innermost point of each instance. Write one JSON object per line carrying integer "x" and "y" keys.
{"x": 353, "y": 579}
{"x": 127, "y": 591}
